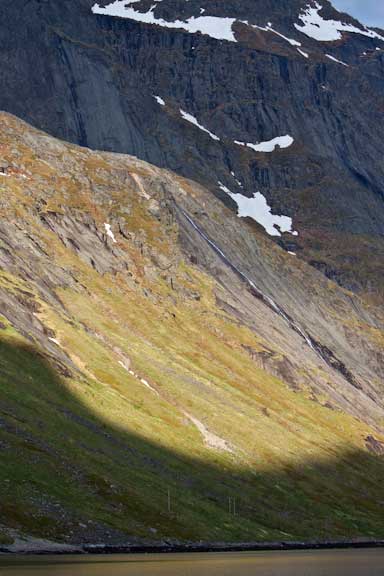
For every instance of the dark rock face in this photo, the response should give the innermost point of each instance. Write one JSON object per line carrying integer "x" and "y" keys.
{"x": 91, "y": 79}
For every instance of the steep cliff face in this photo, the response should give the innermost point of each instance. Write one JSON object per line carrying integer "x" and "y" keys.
{"x": 161, "y": 358}
{"x": 184, "y": 85}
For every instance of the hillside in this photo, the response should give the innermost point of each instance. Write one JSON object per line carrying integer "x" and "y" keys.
{"x": 157, "y": 350}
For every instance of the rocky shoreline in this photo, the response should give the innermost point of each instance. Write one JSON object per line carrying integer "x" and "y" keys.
{"x": 168, "y": 548}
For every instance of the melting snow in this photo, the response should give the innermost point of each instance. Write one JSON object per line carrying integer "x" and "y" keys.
{"x": 159, "y": 100}
{"x": 336, "y": 60}
{"x": 236, "y": 179}
{"x": 220, "y": 28}
{"x": 258, "y": 209}
{"x": 225, "y": 189}
{"x": 303, "y": 53}
{"x": 268, "y": 28}
{"x": 109, "y": 232}
{"x": 213, "y": 26}
{"x": 193, "y": 120}
{"x": 269, "y": 145}
{"x": 315, "y": 26}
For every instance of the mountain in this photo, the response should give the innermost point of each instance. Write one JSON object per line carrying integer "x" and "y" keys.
{"x": 192, "y": 319}
{"x": 296, "y": 68}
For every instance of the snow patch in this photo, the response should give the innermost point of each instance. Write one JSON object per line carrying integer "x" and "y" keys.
{"x": 303, "y": 53}
{"x": 109, "y": 232}
{"x": 159, "y": 100}
{"x": 269, "y": 145}
{"x": 336, "y": 60}
{"x": 192, "y": 120}
{"x": 315, "y": 26}
{"x": 268, "y": 28}
{"x": 224, "y": 188}
{"x": 213, "y": 26}
{"x": 236, "y": 179}
{"x": 257, "y": 208}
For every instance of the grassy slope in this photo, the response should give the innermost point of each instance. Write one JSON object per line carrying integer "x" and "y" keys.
{"x": 100, "y": 449}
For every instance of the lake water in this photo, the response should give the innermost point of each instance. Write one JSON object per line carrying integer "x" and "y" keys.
{"x": 290, "y": 563}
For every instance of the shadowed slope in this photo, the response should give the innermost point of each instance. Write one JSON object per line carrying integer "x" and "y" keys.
{"x": 68, "y": 473}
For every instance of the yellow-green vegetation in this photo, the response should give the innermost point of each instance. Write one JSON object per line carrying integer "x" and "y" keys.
{"x": 127, "y": 386}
